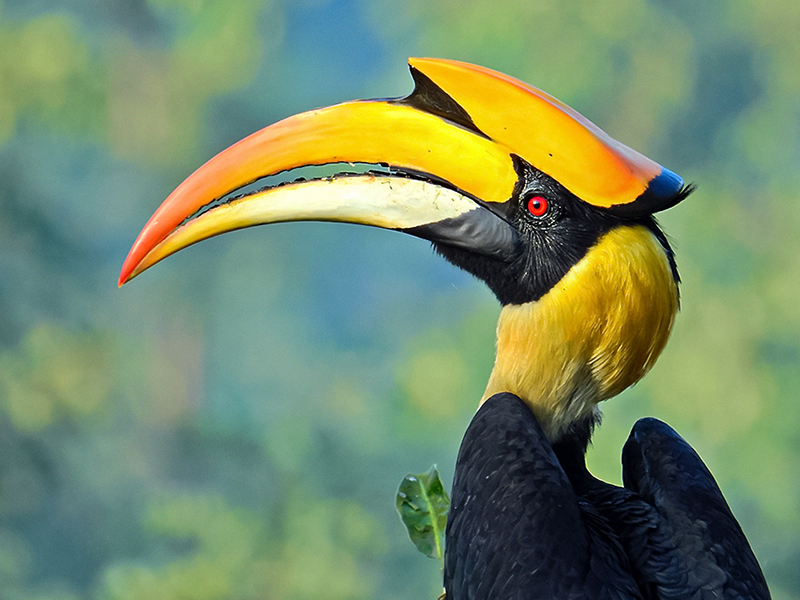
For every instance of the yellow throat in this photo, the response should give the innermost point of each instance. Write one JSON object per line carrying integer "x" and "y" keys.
{"x": 595, "y": 333}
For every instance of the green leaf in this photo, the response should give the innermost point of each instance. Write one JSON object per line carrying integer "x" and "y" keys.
{"x": 423, "y": 505}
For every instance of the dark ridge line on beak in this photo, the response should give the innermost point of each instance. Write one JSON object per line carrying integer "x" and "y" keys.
{"x": 380, "y": 169}
{"x": 430, "y": 98}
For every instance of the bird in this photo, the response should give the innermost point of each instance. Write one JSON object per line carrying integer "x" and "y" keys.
{"x": 523, "y": 192}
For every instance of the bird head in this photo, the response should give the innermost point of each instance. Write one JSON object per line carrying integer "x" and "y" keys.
{"x": 509, "y": 184}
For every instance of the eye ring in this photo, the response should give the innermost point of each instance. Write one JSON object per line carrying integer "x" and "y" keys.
{"x": 538, "y": 206}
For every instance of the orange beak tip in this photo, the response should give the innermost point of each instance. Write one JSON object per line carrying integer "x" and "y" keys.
{"x": 127, "y": 272}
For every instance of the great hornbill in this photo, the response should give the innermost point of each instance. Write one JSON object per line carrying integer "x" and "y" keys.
{"x": 556, "y": 217}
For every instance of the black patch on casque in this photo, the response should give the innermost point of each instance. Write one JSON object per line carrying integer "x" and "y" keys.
{"x": 549, "y": 245}
{"x": 430, "y": 98}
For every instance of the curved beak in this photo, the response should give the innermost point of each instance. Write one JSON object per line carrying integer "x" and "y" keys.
{"x": 448, "y": 153}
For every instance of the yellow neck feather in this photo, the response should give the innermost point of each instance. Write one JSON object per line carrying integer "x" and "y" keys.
{"x": 595, "y": 333}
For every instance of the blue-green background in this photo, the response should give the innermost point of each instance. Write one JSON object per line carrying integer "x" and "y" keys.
{"x": 234, "y": 423}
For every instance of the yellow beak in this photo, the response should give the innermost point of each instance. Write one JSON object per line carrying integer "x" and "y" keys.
{"x": 449, "y": 153}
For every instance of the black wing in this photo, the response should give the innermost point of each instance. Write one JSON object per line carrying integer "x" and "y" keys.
{"x": 706, "y": 541}
{"x": 516, "y": 529}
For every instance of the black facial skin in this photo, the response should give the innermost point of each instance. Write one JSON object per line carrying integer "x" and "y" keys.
{"x": 547, "y": 245}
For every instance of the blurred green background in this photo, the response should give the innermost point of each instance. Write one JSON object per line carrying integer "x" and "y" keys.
{"x": 234, "y": 423}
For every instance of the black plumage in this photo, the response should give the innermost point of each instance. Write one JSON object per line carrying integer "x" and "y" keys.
{"x": 529, "y": 521}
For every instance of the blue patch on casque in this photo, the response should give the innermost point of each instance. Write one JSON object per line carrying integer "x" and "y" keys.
{"x": 664, "y": 191}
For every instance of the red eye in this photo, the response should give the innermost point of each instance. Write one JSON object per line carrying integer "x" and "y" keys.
{"x": 537, "y": 206}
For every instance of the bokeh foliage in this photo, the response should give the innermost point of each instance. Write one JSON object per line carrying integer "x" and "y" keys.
{"x": 233, "y": 423}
